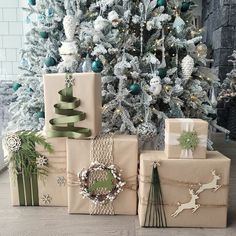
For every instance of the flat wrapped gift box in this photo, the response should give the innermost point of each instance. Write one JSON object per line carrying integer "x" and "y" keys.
{"x": 186, "y": 138}
{"x": 194, "y": 193}
{"x": 87, "y": 88}
{"x": 125, "y": 156}
{"x": 49, "y": 190}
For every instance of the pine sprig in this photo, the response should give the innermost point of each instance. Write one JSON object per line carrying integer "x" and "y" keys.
{"x": 25, "y": 158}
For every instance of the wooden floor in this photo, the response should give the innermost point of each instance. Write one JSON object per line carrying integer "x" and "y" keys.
{"x": 32, "y": 221}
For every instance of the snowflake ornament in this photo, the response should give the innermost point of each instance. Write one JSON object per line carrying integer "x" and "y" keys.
{"x": 47, "y": 199}
{"x": 69, "y": 81}
{"x": 41, "y": 161}
{"x": 13, "y": 142}
{"x": 61, "y": 181}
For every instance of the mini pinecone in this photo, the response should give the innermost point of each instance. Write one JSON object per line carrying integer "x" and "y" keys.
{"x": 69, "y": 23}
{"x": 146, "y": 131}
{"x": 187, "y": 67}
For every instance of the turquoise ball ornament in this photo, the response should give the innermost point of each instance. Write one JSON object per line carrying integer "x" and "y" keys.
{"x": 49, "y": 12}
{"x": 161, "y": 3}
{"x": 162, "y": 72}
{"x": 32, "y": 2}
{"x": 97, "y": 66}
{"x": 40, "y": 114}
{"x": 185, "y": 6}
{"x": 43, "y": 34}
{"x": 135, "y": 89}
{"x": 50, "y": 61}
{"x": 16, "y": 86}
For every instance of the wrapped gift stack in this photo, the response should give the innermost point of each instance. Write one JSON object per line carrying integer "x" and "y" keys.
{"x": 72, "y": 164}
{"x": 185, "y": 185}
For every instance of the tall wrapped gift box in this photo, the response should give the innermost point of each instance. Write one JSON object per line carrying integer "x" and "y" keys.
{"x": 87, "y": 91}
{"x": 186, "y": 138}
{"x": 42, "y": 190}
{"x": 183, "y": 192}
{"x": 102, "y": 175}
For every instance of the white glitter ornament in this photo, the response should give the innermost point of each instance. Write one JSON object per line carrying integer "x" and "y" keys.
{"x": 87, "y": 65}
{"x": 187, "y": 67}
{"x": 155, "y": 85}
{"x": 113, "y": 17}
{"x": 41, "y": 161}
{"x": 13, "y": 142}
{"x": 146, "y": 131}
{"x": 178, "y": 24}
{"x": 69, "y": 23}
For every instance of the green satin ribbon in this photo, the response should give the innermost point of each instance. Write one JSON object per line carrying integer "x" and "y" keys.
{"x": 28, "y": 189}
{"x": 69, "y": 116}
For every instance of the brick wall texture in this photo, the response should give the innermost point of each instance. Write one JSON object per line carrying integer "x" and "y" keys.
{"x": 219, "y": 20}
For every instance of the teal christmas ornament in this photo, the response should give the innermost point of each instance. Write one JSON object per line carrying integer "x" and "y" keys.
{"x": 50, "y": 61}
{"x": 135, "y": 89}
{"x": 40, "y": 114}
{"x": 49, "y": 12}
{"x": 161, "y": 3}
{"x": 16, "y": 86}
{"x": 97, "y": 66}
{"x": 185, "y": 6}
{"x": 32, "y": 2}
{"x": 162, "y": 72}
{"x": 43, "y": 34}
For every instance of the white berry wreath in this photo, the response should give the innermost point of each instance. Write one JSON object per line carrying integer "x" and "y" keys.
{"x": 113, "y": 183}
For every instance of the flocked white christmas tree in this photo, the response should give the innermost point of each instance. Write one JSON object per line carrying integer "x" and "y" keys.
{"x": 150, "y": 55}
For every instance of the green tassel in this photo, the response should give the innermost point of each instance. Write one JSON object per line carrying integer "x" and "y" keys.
{"x": 155, "y": 213}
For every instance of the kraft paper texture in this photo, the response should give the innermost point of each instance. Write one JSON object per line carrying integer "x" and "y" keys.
{"x": 125, "y": 150}
{"x": 87, "y": 88}
{"x": 174, "y": 126}
{"x": 48, "y": 184}
{"x": 177, "y": 176}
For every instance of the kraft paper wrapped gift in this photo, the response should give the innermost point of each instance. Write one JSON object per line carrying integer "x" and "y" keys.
{"x": 186, "y": 138}
{"x": 50, "y": 190}
{"x": 199, "y": 185}
{"x": 125, "y": 155}
{"x": 87, "y": 88}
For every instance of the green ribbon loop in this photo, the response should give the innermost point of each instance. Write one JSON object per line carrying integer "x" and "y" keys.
{"x": 69, "y": 116}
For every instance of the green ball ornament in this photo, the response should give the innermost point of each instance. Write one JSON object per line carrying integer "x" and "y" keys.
{"x": 162, "y": 72}
{"x": 32, "y": 2}
{"x": 97, "y": 66}
{"x": 135, "y": 89}
{"x": 161, "y": 3}
{"x": 50, "y": 61}
{"x": 43, "y": 34}
{"x": 40, "y": 114}
{"x": 16, "y": 86}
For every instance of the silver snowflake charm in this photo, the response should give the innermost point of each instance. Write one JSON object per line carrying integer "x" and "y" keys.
{"x": 47, "y": 199}
{"x": 69, "y": 81}
{"x": 61, "y": 181}
{"x": 13, "y": 142}
{"x": 41, "y": 161}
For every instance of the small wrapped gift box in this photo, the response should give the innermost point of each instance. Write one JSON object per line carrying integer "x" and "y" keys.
{"x": 183, "y": 192}
{"x": 43, "y": 190}
{"x": 86, "y": 88}
{"x": 102, "y": 175}
{"x": 186, "y": 138}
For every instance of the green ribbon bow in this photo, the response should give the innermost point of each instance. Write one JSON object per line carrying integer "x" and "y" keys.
{"x": 69, "y": 116}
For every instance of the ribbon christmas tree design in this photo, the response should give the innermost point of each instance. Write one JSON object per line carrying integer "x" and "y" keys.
{"x": 64, "y": 126}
